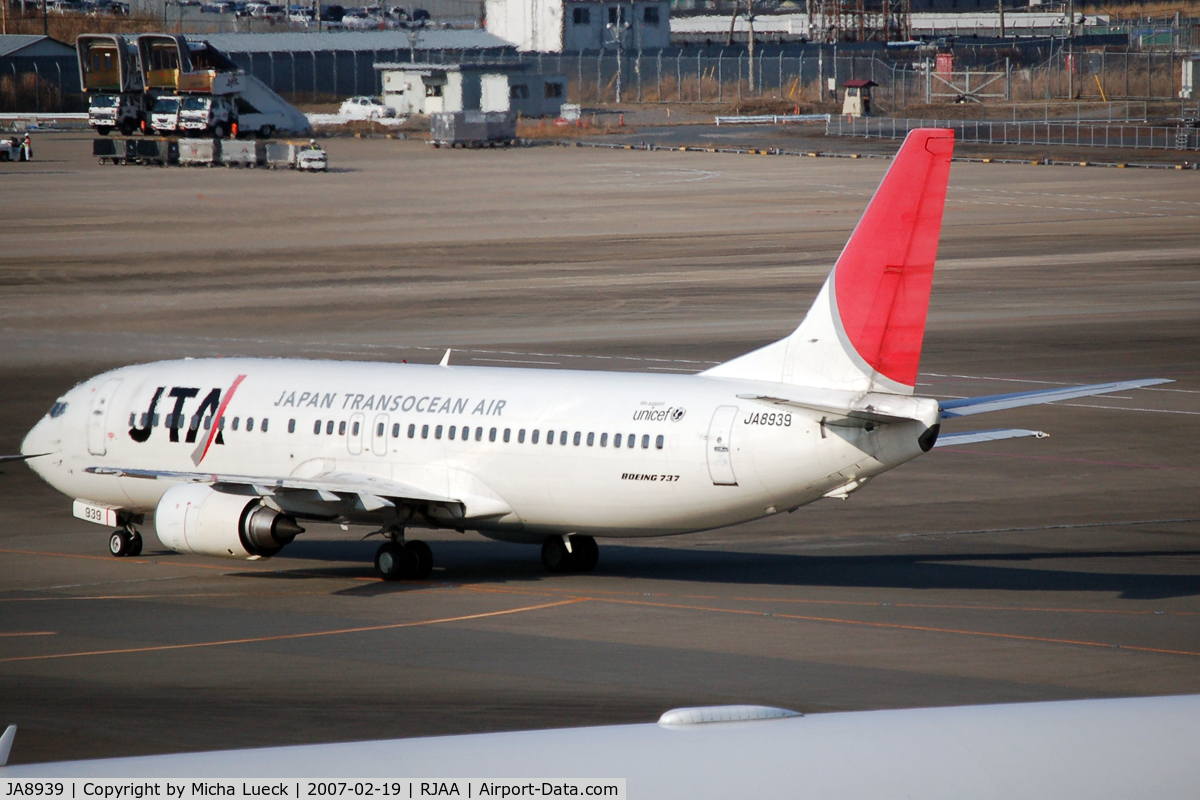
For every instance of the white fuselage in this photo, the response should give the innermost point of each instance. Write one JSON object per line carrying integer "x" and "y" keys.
{"x": 611, "y": 454}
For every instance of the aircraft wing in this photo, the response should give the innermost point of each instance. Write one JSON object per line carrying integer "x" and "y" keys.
{"x": 999, "y": 402}
{"x": 994, "y": 435}
{"x": 330, "y": 494}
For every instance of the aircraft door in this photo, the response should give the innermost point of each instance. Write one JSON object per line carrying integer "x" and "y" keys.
{"x": 720, "y": 432}
{"x": 98, "y": 418}
{"x": 379, "y": 433}
{"x": 354, "y": 436}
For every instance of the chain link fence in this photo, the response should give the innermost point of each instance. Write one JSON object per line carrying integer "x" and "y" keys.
{"x": 1031, "y": 132}
{"x": 730, "y": 75}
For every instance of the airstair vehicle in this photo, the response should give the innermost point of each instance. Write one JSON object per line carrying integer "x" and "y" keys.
{"x": 137, "y": 70}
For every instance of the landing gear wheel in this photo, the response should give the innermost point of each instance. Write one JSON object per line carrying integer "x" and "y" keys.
{"x": 420, "y": 551}
{"x": 120, "y": 543}
{"x": 394, "y": 562}
{"x": 555, "y": 556}
{"x": 135, "y": 545}
{"x": 585, "y": 553}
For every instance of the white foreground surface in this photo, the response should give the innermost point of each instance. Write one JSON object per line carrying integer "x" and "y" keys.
{"x": 1123, "y": 748}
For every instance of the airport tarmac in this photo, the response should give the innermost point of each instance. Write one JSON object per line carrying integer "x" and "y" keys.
{"x": 1027, "y": 569}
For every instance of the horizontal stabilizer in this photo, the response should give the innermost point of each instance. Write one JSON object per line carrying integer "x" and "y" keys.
{"x": 999, "y": 402}
{"x": 994, "y": 435}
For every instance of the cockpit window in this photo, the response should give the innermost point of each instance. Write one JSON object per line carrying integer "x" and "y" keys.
{"x": 58, "y": 409}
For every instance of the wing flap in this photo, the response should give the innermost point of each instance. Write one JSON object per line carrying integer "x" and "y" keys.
{"x": 1000, "y": 402}
{"x": 994, "y": 435}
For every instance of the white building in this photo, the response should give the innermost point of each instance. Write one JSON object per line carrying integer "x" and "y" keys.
{"x": 555, "y": 26}
{"x": 429, "y": 88}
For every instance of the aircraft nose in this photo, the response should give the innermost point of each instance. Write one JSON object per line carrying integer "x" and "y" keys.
{"x": 42, "y": 438}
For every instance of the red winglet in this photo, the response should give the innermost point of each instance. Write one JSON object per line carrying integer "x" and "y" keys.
{"x": 883, "y": 277}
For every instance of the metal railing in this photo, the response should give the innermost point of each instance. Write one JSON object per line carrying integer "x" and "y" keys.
{"x": 1065, "y": 134}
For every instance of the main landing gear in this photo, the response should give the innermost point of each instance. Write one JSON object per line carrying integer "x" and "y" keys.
{"x": 582, "y": 556}
{"x": 398, "y": 560}
{"x": 125, "y": 542}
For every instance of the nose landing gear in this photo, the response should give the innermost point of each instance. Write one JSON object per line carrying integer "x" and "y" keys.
{"x": 125, "y": 542}
{"x": 398, "y": 560}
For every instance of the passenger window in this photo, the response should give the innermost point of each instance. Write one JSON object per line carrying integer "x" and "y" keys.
{"x": 379, "y": 429}
{"x": 479, "y": 435}
{"x": 616, "y": 440}
{"x": 249, "y": 424}
{"x": 317, "y": 426}
{"x": 236, "y": 420}
{"x": 645, "y": 441}
{"x": 492, "y": 435}
{"x": 520, "y": 436}
{"x": 396, "y": 430}
{"x": 658, "y": 443}
{"x": 208, "y": 423}
{"x": 452, "y": 429}
{"x": 534, "y": 437}
{"x": 262, "y": 426}
{"x": 329, "y": 428}
{"x": 507, "y": 434}
{"x": 354, "y": 430}
{"x": 437, "y": 432}
{"x": 562, "y": 438}
{"x": 632, "y": 438}
{"x": 604, "y": 440}
{"x": 576, "y": 439}
{"x": 549, "y": 437}
{"x": 291, "y": 426}
{"x": 132, "y": 418}
{"x": 591, "y": 439}
{"x": 424, "y": 431}
{"x": 412, "y": 430}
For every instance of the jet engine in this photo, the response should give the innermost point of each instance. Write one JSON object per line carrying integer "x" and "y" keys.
{"x": 193, "y": 518}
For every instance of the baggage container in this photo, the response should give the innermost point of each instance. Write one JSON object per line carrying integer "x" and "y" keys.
{"x": 155, "y": 151}
{"x": 248, "y": 153}
{"x": 472, "y": 128}
{"x": 108, "y": 149}
{"x": 199, "y": 152}
{"x": 281, "y": 155}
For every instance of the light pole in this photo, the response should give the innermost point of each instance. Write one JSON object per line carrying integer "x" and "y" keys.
{"x": 618, "y": 29}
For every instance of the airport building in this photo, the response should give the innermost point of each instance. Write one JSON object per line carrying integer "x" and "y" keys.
{"x": 558, "y": 26}
{"x": 303, "y": 65}
{"x": 51, "y": 61}
{"x": 503, "y": 86}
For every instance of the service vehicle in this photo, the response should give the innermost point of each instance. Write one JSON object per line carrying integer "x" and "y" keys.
{"x": 164, "y": 116}
{"x": 121, "y": 112}
{"x": 216, "y": 115}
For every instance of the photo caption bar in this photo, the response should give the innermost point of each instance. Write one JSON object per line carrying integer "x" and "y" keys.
{"x": 190, "y": 789}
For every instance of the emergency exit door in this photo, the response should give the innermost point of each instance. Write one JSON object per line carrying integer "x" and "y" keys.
{"x": 720, "y": 432}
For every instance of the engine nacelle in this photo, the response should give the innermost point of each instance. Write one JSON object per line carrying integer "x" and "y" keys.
{"x": 193, "y": 518}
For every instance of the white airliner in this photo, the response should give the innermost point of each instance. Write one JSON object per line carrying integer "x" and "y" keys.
{"x": 230, "y": 453}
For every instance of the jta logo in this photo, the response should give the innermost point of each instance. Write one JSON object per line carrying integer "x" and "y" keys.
{"x": 212, "y": 407}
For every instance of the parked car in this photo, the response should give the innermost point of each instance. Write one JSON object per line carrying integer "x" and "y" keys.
{"x": 365, "y": 108}
{"x": 332, "y": 13}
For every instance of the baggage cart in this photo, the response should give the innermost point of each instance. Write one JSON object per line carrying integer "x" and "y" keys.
{"x": 199, "y": 152}
{"x": 243, "y": 153}
{"x": 473, "y": 128}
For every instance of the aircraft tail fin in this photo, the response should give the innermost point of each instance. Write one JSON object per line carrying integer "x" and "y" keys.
{"x": 865, "y": 330}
